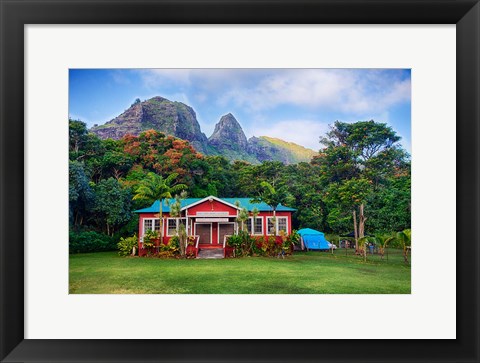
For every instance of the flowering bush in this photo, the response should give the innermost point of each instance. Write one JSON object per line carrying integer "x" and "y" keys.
{"x": 150, "y": 238}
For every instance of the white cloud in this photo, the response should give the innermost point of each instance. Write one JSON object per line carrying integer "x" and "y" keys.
{"x": 206, "y": 79}
{"x": 153, "y": 78}
{"x": 302, "y": 132}
{"x": 343, "y": 90}
{"x": 348, "y": 91}
{"x": 120, "y": 77}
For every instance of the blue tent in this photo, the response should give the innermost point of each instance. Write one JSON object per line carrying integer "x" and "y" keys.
{"x": 313, "y": 240}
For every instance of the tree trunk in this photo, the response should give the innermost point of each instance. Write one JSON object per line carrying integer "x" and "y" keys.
{"x": 161, "y": 221}
{"x": 361, "y": 223}
{"x": 355, "y": 232}
{"x": 361, "y": 229}
{"x": 274, "y": 223}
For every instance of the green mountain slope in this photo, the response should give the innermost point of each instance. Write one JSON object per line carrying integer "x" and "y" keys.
{"x": 297, "y": 152}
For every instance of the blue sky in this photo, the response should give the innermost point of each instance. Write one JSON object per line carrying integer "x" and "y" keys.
{"x": 292, "y": 104}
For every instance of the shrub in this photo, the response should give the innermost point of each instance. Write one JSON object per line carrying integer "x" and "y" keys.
{"x": 235, "y": 241}
{"x": 291, "y": 240}
{"x": 125, "y": 246}
{"x": 90, "y": 241}
{"x": 260, "y": 246}
{"x": 172, "y": 246}
{"x": 149, "y": 239}
{"x": 191, "y": 240}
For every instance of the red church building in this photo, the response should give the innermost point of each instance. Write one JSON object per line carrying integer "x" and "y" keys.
{"x": 210, "y": 219}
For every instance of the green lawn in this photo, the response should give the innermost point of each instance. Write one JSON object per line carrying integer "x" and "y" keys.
{"x": 302, "y": 273}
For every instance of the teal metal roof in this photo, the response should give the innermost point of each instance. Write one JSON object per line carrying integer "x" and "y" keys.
{"x": 244, "y": 203}
{"x": 262, "y": 207}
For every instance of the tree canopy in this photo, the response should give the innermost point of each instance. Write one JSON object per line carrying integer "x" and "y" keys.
{"x": 360, "y": 162}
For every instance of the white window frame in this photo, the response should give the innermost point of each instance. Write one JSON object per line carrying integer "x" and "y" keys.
{"x": 286, "y": 224}
{"x": 168, "y": 226}
{"x": 177, "y": 220}
{"x": 251, "y": 225}
{"x": 276, "y": 225}
{"x": 153, "y": 225}
{"x": 252, "y": 230}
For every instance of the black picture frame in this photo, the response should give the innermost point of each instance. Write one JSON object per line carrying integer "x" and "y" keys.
{"x": 15, "y": 14}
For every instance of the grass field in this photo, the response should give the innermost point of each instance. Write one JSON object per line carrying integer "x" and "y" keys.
{"x": 302, "y": 273}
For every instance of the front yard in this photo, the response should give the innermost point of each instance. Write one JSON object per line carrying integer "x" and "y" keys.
{"x": 302, "y": 273}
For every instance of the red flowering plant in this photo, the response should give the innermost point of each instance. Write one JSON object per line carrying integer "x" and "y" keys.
{"x": 191, "y": 240}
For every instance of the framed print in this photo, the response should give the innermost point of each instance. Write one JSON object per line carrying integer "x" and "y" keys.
{"x": 49, "y": 312}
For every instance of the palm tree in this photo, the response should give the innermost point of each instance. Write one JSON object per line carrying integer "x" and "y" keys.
{"x": 405, "y": 238}
{"x": 383, "y": 241}
{"x": 362, "y": 244}
{"x": 176, "y": 211}
{"x": 155, "y": 187}
{"x": 272, "y": 197}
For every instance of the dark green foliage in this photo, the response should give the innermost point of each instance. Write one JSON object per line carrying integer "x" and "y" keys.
{"x": 90, "y": 241}
{"x": 241, "y": 242}
{"x": 77, "y": 137}
{"x": 112, "y": 206}
{"x": 80, "y": 195}
{"x": 360, "y": 163}
{"x": 363, "y": 164}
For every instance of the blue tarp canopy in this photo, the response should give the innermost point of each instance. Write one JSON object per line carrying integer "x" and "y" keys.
{"x": 313, "y": 240}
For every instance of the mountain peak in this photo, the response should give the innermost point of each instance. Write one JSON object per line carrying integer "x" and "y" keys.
{"x": 178, "y": 119}
{"x": 158, "y": 113}
{"x": 228, "y": 132}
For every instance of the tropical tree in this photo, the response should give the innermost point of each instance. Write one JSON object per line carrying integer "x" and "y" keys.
{"x": 176, "y": 211}
{"x": 382, "y": 241}
{"x": 112, "y": 204}
{"x": 363, "y": 163}
{"x": 155, "y": 187}
{"x": 362, "y": 246}
{"x": 272, "y": 197}
{"x": 77, "y": 135}
{"x": 405, "y": 239}
{"x": 80, "y": 195}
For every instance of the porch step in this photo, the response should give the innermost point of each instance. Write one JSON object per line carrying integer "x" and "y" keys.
{"x": 211, "y": 253}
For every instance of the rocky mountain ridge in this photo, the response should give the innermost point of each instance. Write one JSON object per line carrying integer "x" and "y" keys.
{"x": 179, "y": 120}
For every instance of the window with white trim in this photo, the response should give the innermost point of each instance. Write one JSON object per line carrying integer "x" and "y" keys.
{"x": 281, "y": 225}
{"x": 249, "y": 225}
{"x": 255, "y": 228}
{"x": 151, "y": 224}
{"x": 147, "y": 225}
{"x": 173, "y": 224}
{"x": 258, "y": 226}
